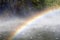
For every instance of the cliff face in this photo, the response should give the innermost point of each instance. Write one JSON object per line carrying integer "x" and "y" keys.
{"x": 28, "y": 3}
{"x": 23, "y": 7}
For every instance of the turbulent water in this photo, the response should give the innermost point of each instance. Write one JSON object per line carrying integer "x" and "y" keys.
{"x": 43, "y": 28}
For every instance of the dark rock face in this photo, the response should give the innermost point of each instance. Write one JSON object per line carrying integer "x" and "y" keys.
{"x": 23, "y": 7}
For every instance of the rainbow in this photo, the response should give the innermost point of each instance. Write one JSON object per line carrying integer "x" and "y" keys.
{"x": 30, "y": 20}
